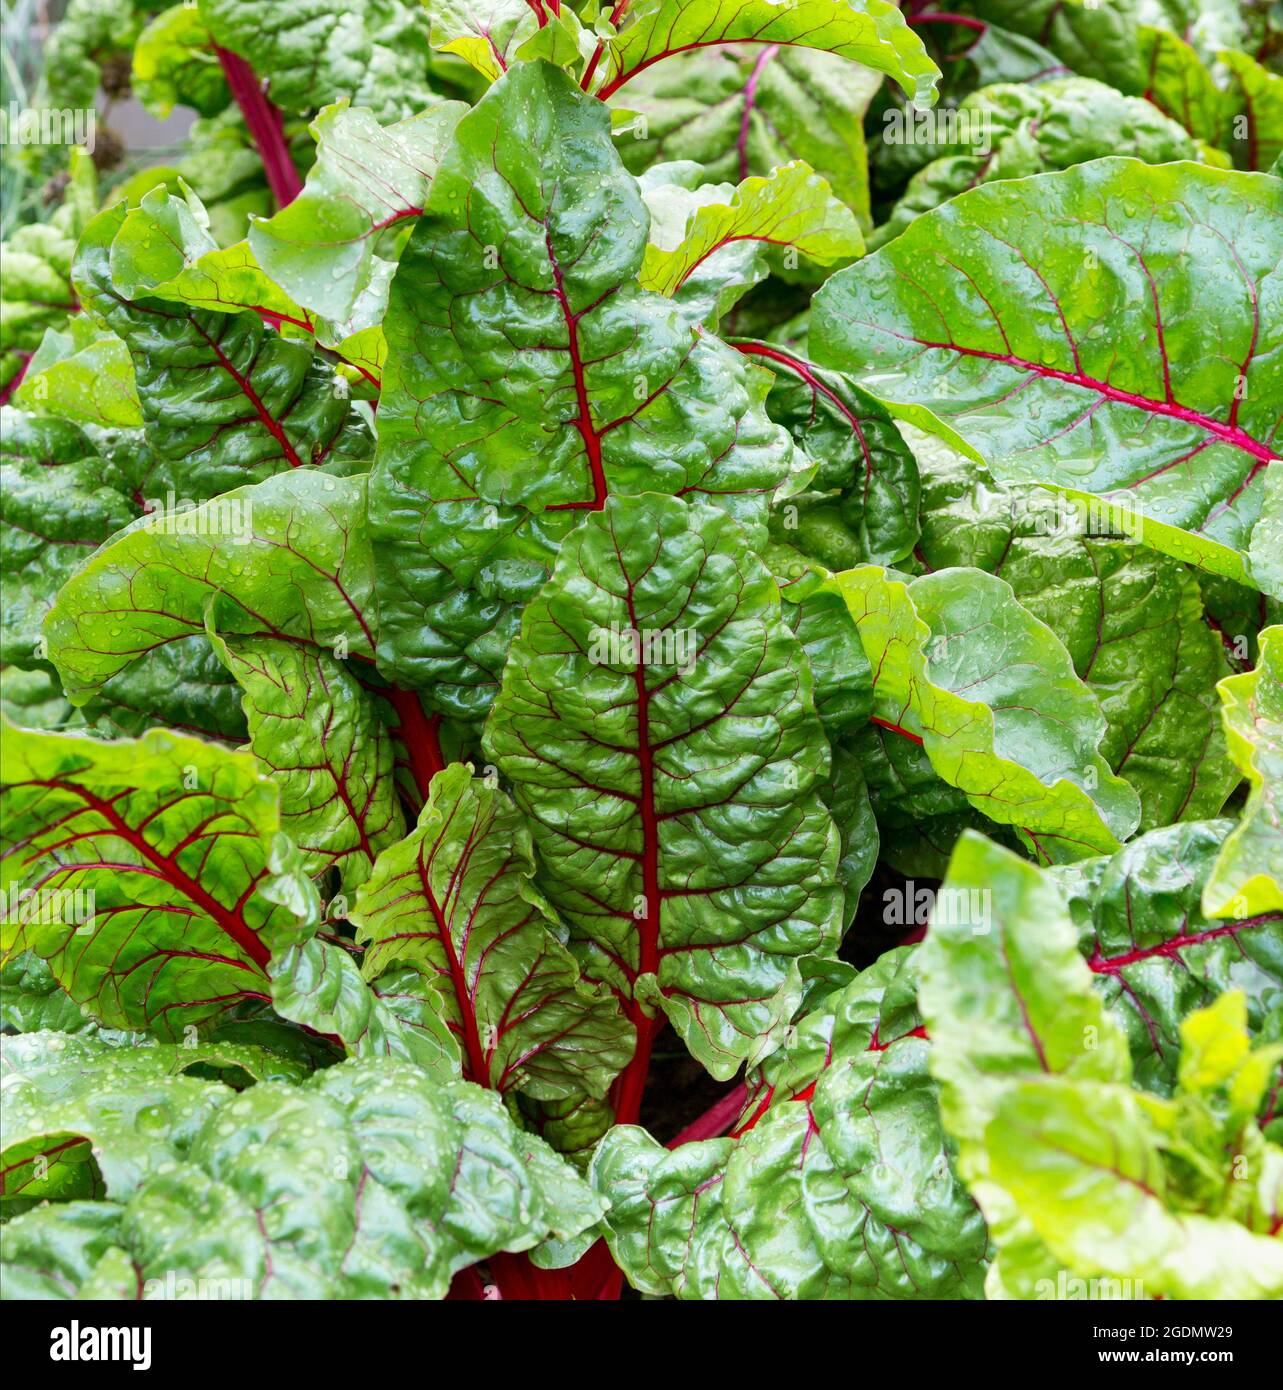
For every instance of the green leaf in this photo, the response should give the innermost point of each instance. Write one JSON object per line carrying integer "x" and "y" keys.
{"x": 1096, "y": 40}
{"x": 1256, "y": 127}
{"x": 56, "y": 506}
{"x": 226, "y": 399}
{"x": 370, "y": 1179}
{"x": 82, "y": 374}
{"x": 1248, "y": 875}
{"x": 32, "y": 1001}
{"x": 1132, "y": 621}
{"x": 314, "y": 52}
{"x": 1057, "y": 329}
{"x": 1011, "y": 131}
{"x": 1178, "y": 84}
{"x": 175, "y": 65}
{"x": 1155, "y": 955}
{"x": 671, "y": 776}
{"x": 529, "y": 377}
{"x": 316, "y": 734}
{"x": 840, "y": 1186}
{"x": 150, "y": 874}
{"x": 744, "y": 109}
{"x": 792, "y": 207}
{"x": 286, "y": 559}
{"x": 455, "y": 900}
{"x": 870, "y": 32}
{"x": 865, "y": 505}
{"x": 87, "y": 37}
{"x": 367, "y": 177}
{"x": 993, "y": 698}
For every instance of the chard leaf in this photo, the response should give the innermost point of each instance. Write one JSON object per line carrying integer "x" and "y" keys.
{"x": 1059, "y": 329}
{"x": 286, "y": 559}
{"x": 1009, "y": 131}
{"x": 314, "y": 52}
{"x": 369, "y": 1179}
{"x": 529, "y": 377}
{"x": 839, "y": 1186}
{"x": 1131, "y": 619}
{"x": 226, "y": 400}
{"x": 994, "y": 700}
{"x": 1155, "y": 955}
{"x": 866, "y": 505}
{"x": 316, "y": 734}
{"x": 743, "y": 110}
{"x": 1247, "y": 878}
{"x": 455, "y": 900}
{"x": 676, "y": 895}
{"x": 175, "y": 65}
{"x": 1178, "y": 84}
{"x": 321, "y": 248}
{"x": 870, "y": 32}
{"x": 792, "y": 207}
{"x": 56, "y": 506}
{"x": 1256, "y": 125}
{"x": 1034, "y": 1077}
{"x": 82, "y": 374}
{"x": 150, "y": 874}
{"x": 32, "y": 1001}
{"x": 1095, "y": 40}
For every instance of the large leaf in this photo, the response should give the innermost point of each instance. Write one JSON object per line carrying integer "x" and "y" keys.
{"x": 367, "y": 177}
{"x": 993, "y": 698}
{"x": 1131, "y": 619}
{"x": 455, "y": 900}
{"x": 1248, "y": 876}
{"x": 529, "y": 377}
{"x": 671, "y": 776}
{"x": 151, "y": 875}
{"x": 1066, "y": 333}
{"x": 1155, "y": 955}
{"x": 839, "y": 1186}
{"x": 1010, "y": 131}
{"x": 313, "y": 52}
{"x": 870, "y": 32}
{"x": 1096, "y": 40}
{"x": 226, "y": 399}
{"x": 370, "y": 1179}
{"x": 287, "y": 559}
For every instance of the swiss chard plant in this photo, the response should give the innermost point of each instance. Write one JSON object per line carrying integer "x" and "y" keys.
{"x": 642, "y": 652}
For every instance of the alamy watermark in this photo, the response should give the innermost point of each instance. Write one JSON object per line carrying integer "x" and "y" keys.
{"x": 647, "y": 646}
{"x": 228, "y": 518}
{"x": 45, "y": 906}
{"x": 49, "y": 125}
{"x": 949, "y": 125}
{"x": 912, "y": 906}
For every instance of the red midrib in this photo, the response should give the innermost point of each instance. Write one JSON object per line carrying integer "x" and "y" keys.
{"x": 1231, "y": 434}
{"x": 270, "y": 423}
{"x": 1110, "y": 965}
{"x": 802, "y": 369}
{"x": 583, "y": 421}
{"x": 471, "y": 1038}
{"x": 231, "y": 922}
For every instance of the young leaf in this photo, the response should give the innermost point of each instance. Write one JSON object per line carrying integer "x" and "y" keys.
{"x": 654, "y": 697}
{"x": 992, "y": 696}
{"x": 1248, "y": 875}
{"x": 1057, "y": 329}
{"x": 455, "y": 900}
{"x": 151, "y": 875}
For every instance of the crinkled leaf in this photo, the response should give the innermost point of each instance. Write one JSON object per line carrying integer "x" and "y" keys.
{"x": 150, "y": 874}
{"x": 175, "y": 65}
{"x": 672, "y": 778}
{"x": 528, "y": 377}
{"x": 455, "y": 899}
